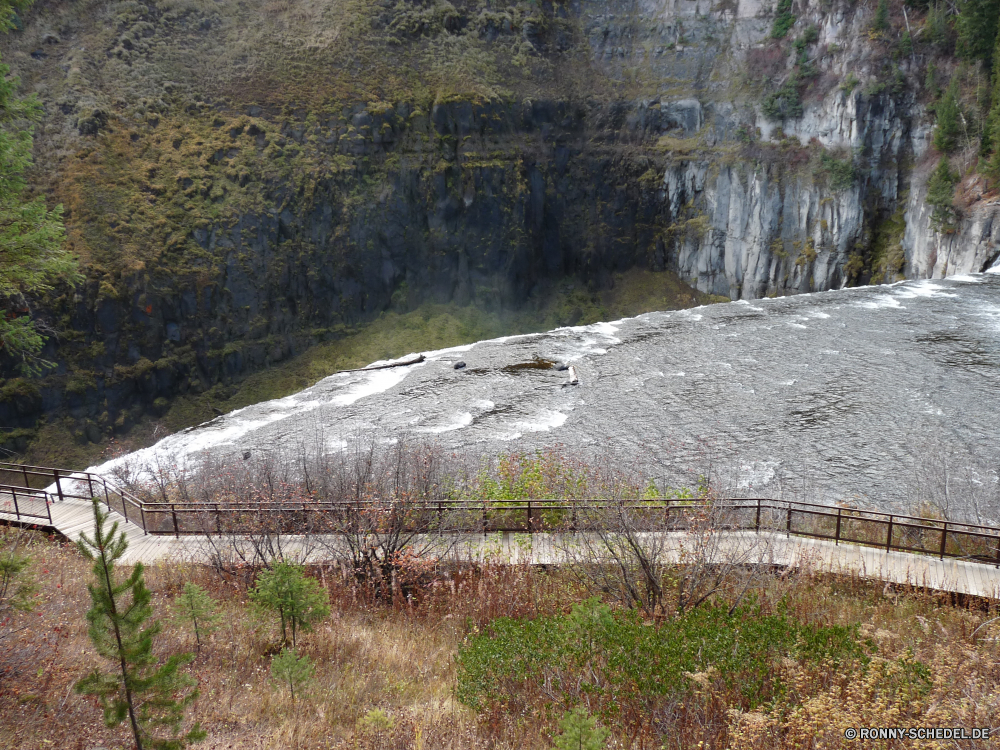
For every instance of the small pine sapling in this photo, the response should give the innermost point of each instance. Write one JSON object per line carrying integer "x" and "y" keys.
{"x": 298, "y": 599}
{"x": 17, "y": 587}
{"x": 195, "y": 605}
{"x": 293, "y": 670}
{"x": 152, "y": 697}
{"x": 881, "y": 21}
{"x": 580, "y": 732}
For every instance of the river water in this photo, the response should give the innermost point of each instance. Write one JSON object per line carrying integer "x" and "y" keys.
{"x": 853, "y": 396}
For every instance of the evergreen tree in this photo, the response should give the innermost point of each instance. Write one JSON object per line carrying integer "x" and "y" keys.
{"x": 32, "y": 258}
{"x": 991, "y": 128}
{"x": 299, "y": 600}
{"x": 135, "y": 688}
{"x": 938, "y": 29}
{"x": 976, "y": 24}
{"x": 194, "y": 604}
{"x": 580, "y": 732}
{"x": 941, "y": 193}
{"x": 881, "y": 20}
{"x": 291, "y": 669}
{"x": 17, "y": 586}
{"x": 947, "y": 130}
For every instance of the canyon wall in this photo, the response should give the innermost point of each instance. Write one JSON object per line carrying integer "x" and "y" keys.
{"x": 237, "y": 198}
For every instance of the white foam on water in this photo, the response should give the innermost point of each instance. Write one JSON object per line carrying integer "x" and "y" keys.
{"x": 881, "y": 302}
{"x": 796, "y": 325}
{"x": 462, "y": 420}
{"x": 966, "y": 278}
{"x": 436, "y": 354}
{"x": 925, "y": 288}
{"x": 547, "y": 419}
{"x": 230, "y": 428}
{"x": 755, "y": 473}
{"x": 376, "y": 382}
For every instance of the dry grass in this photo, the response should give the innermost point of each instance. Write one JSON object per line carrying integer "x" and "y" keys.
{"x": 398, "y": 658}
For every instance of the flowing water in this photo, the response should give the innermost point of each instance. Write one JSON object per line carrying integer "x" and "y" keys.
{"x": 840, "y": 396}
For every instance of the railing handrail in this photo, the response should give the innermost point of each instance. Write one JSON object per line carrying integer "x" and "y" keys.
{"x": 310, "y": 504}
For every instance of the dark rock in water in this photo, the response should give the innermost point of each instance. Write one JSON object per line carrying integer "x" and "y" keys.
{"x": 460, "y": 365}
{"x": 562, "y": 367}
{"x": 217, "y": 411}
{"x": 246, "y": 455}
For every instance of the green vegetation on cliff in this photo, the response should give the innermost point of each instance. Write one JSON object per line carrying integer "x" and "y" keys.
{"x": 32, "y": 256}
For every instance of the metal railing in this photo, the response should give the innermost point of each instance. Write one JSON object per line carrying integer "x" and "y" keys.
{"x": 79, "y": 485}
{"x": 890, "y": 531}
{"x": 28, "y": 506}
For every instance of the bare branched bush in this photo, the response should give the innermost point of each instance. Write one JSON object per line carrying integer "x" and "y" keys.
{"x": 641, "y": 556}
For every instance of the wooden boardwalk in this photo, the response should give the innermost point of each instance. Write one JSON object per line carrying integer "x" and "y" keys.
{"x": 71, "y": 517}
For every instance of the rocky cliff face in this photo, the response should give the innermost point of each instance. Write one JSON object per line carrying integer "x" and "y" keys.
{"x": 238, "y": 197}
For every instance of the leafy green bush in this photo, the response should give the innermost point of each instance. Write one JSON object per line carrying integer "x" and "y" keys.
{"x": 614, "y": 657}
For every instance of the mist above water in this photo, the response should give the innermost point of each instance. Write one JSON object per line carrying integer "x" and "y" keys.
{"x": 876, "y": 396}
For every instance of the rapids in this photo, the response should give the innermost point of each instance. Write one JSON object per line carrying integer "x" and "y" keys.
{"x": 857, "y": 395}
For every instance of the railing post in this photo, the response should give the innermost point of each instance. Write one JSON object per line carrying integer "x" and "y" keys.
{"x": 90, "y": 484}
{"x": 998, "y": 553}
{"x": 529, "y": 515}
{"x": 142, "y": 515}
{"x": 888, "y": 537}
{"x": 17, "y": 511}
{"x": 484, "y": 520}
{"x": 48, "y": 509}
{"x": 55, "y": 473}
{"x": 756, "y": 526}
{"x": 107, "y": 497}
{"x": 124, "y": 503}
{"x": 788, "y": 523}
{"x": 218, "y": 520}
{"x": 24, "y": 470}
{"x": 173, "y": 512}
{"x": 944, "y": 538}
{"x": 837, "y": 537}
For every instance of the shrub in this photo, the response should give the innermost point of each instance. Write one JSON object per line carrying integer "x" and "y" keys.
{"x": 839, "y": 172}
{"x": 783, "y": 20}
{"x": 849, "y": 83}
{"x": 785, "y": 102}
{"x": 610, "y": 656}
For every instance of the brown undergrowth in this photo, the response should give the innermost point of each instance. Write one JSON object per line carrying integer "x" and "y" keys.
{"x": 387, "y": 673}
